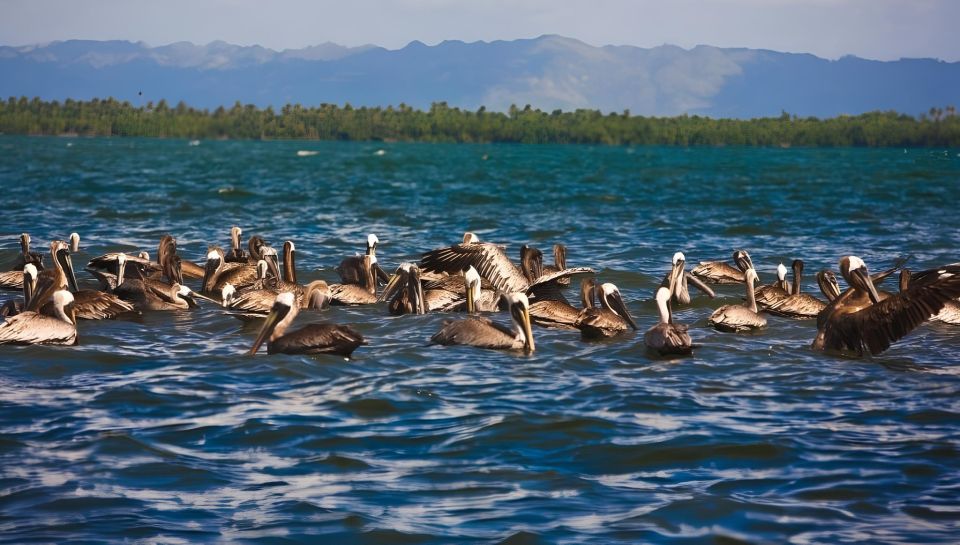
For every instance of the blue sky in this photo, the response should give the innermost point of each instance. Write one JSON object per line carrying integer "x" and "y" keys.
{"x": 876, "y": 29}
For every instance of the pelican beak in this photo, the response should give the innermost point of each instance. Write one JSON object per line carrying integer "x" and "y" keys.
{"x": 676, "y": 276}
{"x": 276, "y": 314}
{"x": 862, "y": 278}
{"x": 471, "y": 303}
{"x": 529, "y": 346}
{"x": 697, "y": 283}
{"x": 418, "y": 300}
{"x": 743, "y": 261}
{"x": 196, "y": 295}
{"x": 617, "y": 304}
{"x": 63, "y": 256}
{"x": 29, "y": 284}
{"x": 209, "y": 270}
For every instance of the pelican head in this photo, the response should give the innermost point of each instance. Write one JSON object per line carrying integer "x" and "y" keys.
{"x": 397, "y": 281}
{"x": 74, "y": 242}
{"x": 144, "y": 255}
{"x": 470, "y": 238}
{"x": 588, "y": 292}
{"x": 751, "y": 275}
{"x": 29, "y": 282}
{"x": 121, "y": 267}
{"x": 828, "y": 284}
{"x": 372, "y": 242}
{"x": 471, "y": 283}
{"x": 281, "y": 315}
{"x": 855, "y": 272}
{"x": 317, "y": 295}
{"x": 212, "y": 268}
{"x": 742, "y": 259}
{"x": 611, "y": 299}
{"x": 254, "y": 245}
{"x": 781, "y": 272}
{"x": 560, "y": 256}
{"x": 520, "y": 312}
{"x": 184, "y": 292}
{"x": 269, "y": 254}
{"x": 60, "y": 252}
{"x": 678, "y": 258}
{"x": 262, "y": 268}
{"x": 235, "y": 233}
{"x": 25, "y": 243}
{"x": 228, "y": 295}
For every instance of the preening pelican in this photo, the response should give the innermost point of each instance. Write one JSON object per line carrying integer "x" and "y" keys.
{"x": 612, "y": 318}
{"x": 405, "y": 291}
{"x": 310, "y": 339}
{"x": 357, "y": 294}
{"x": 667, "y": 337}
{"x": 681, "y": 293}
{"x": 719, "y": 272}
{"x": 485, "y": 333}
{"x": 35, "y": 327}
{"x": 735, "y": 318}
{"x": 859, "y": 321}
{"x": 236, "y": 253}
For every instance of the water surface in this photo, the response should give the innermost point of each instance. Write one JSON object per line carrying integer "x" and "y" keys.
{"x": 160, "y": 429}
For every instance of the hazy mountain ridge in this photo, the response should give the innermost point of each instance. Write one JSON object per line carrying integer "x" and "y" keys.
{"x": 548, "y": 72}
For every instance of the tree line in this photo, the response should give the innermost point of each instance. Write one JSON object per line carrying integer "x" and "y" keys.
{"x": 443, "y": 123}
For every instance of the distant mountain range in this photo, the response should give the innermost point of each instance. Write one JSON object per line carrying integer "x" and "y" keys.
{"x": 549, "y": 72}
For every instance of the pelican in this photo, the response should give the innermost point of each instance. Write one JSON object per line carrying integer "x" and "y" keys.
{"x": 351, "y": 269}
{"x": 147, "y": 294}
{"x": 950, "y": 314}
{"x": 35, "y": 327}
{"x": 770, "y": 294}
{"x": 218, "y": 273}
{"x": 858, "y": 321}
{"x": 448, "y": 292}
{"x": 559, "y": 263}
{"x": 719, "y": 272}
{"x": 797, "y": 305}
{"x": 492, "y": 263}
{"x": 236, "y": 254}
{"x": 26, "y": 256}
{"x": 12, "y": 307}
{"x": 88, "y": 304}
{"x": 405, "y": 291}
{"x": 681, "y": 293}
{"x": 828, "y": 284}
{"x": 736, "y": 318}
{"x": 485, "y": 333}
{"x": 310, "y": 339}
{"x": 612, "y": 318}
{"x": 357, "y": 294}
{"x": 258, "y": 302}
{"x": 560, "y": 314}
{"x": 667, "y": 337}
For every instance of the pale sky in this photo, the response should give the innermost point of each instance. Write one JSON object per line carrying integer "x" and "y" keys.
{"x": 874, "y": 29}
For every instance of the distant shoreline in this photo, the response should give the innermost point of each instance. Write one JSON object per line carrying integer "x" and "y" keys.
{"x": 442, "y": 123}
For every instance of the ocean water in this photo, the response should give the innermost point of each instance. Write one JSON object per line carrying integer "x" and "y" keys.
{"x": 161, "y": 430}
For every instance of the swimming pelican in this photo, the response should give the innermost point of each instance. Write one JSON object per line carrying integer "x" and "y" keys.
{"x": 405, "y": 291}
{"x": 12, "y": 307}
{"x": 681, "y": 293}
{"x": 735, "y": 318}
{"x": 310, "y": 339}
{"x": 667, "y": 337}
{"x": 218, "y": 273}
{"x": 612, "y": 318}
{"x": 561, "y": 314}
{"x": 778, "y": 290}
{"x": 88, "y": 304}
{"x": 148, "y": 294}
{"x": 26, "y": 256}
{"x": 256, "y": 303}
{"x": 485, "y": 333}
{"x": 859, "y": 321}
{"x": 797, "y": 304}
{"x": 35, "y": 327}
{"x": 351, "y": 269}
{"x": 719, "y": 272}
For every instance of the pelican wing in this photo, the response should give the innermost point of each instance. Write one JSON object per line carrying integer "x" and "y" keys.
{"x": 351, "y": 294}
{"x": 770, "y": 295}
{"x": 877, "y": 326}
{"x": 668, "y": 339}
{"x": 929, "y": 276}
{"x": 11, "y": 280}
{"x": 109, "y": 262}
{"x": 718, "y": 272}
{"x": 443, "y": 300}
{"x": 98, "y": 305}
{"x": 255, "y": 301}
{"x": 554, "y": 314}
{"x": 476, "y": 331}
{"x": 490, "y": 261}
{"x": 802, "y": 305}
{"x": 318, "y": 339}
{"x": 35, "y": 328}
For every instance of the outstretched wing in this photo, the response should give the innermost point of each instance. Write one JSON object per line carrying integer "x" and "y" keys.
{"x": 888, "y": 321}
{"x": 490, "y": 261}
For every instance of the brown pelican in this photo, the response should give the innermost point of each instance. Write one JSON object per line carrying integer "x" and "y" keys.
{"x": 559, "y": 263}
{"x": 681, "y": 293}
{"x": 405, "y": 291}
{"x": 612, "y": 318}
{"x": 26, "y": 256}
{"x": 88, "y": 304}
{"x": 492, "y": 263}
{"x": 828, "y": 284}
{"x": 858, "y": 321}
{"x": 667, "y": 337}
{"x": 34, "y": 327}
{"x": 236, "y": 254}
{"x": 256, "y": 303}
{"x": 218, "y": 273}
{"x": 485, "y": 333}
{"x": 448, "y": 292}
{"x": 719, "y": 272}
{"x": 148, "y": 294}
{"x": 351, "y": 269}
{"x": 310, "y": 339}
{"x": 797, "y": 305}
{"x": 770, "y": 294}
{"x": 12, "y": 307}
{"x": 735, "y": 318}
{"x": 950, "y": 314}
{"x": 357, "y": 294}
{"x": 560, "y": 314}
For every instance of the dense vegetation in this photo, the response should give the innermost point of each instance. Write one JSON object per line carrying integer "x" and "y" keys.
{"x": 445, "y": 124}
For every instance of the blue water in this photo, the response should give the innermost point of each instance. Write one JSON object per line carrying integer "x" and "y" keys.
{"x": 160, "y": 429}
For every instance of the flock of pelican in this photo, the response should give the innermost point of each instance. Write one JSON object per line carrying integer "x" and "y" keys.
{"x": 474, "y": 277}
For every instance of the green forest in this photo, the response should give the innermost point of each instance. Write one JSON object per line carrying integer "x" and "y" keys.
{"x": 442, "y": 123}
